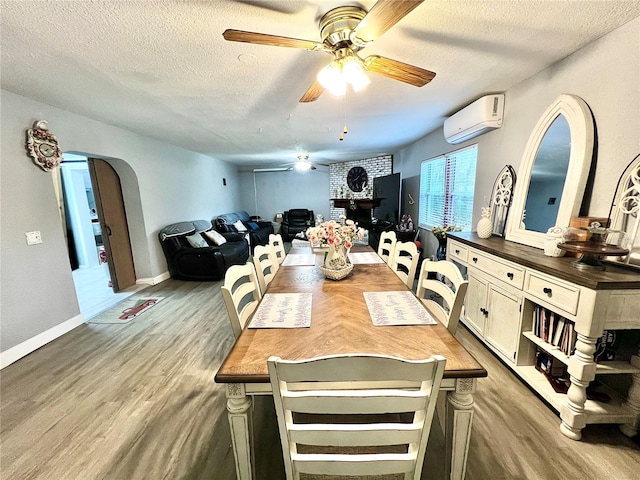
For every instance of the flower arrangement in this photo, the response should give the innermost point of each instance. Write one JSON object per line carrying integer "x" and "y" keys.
{"x": 335, "y": 234}
{"x": 441, "y": 232}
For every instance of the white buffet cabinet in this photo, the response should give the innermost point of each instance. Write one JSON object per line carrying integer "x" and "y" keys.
{"x": 508, "y": 280}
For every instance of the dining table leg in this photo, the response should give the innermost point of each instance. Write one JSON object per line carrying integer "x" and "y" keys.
{"x": 240, "y": 413}
{"x": 459, "y": 416}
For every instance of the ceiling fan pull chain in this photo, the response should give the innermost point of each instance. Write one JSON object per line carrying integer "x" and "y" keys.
{"x": 345, "y": 130}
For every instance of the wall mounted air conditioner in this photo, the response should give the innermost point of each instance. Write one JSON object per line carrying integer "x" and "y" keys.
{"x": 481, "y": 116}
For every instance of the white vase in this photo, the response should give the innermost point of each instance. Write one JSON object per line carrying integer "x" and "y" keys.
{"x": 336, "y": 258}
{"x": 336, "y": 264}
{"x": 484, "y": 228}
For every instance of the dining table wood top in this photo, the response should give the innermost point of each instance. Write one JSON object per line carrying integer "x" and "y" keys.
{"x": 341, "y": 324}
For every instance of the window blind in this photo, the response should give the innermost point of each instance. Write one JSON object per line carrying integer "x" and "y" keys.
{"x": 447, "y": 185}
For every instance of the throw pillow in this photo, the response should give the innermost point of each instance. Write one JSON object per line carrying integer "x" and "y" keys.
{"x": 196, "y": 241}
{"x": 215, "y": 237}
{"x": 240, "y": 226}
{"x": 253, "y": 225}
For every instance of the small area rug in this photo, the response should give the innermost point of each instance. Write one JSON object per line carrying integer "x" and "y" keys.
{"x": 127, "y": 310}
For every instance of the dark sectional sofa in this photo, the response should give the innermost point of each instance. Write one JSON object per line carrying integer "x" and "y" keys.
{"x": 207, "y": 262}
{"x": 258, "y": 231}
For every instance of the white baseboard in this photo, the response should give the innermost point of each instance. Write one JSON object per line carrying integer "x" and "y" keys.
{"x": 153, "y": 280}
{"x": 25, "y": 348}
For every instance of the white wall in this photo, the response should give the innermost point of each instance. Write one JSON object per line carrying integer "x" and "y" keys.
{"x": 161, "y": 184}
{"x": 605, "y": 74}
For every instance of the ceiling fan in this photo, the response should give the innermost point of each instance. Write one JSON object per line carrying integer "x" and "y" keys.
{"x": 302, "y": 165}
{"x": 344, "y": 32}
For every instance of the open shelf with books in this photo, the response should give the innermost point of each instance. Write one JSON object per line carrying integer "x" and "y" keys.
{"x": 559, "y": 329}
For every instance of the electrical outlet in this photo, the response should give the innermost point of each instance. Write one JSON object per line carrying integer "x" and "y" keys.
{"x": 33, "y": 238}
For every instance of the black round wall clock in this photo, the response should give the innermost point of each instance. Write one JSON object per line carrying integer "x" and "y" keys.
{"x": 357, "y": 179}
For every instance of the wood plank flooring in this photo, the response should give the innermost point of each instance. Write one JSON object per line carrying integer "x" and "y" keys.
{"x": 138, "y": 401}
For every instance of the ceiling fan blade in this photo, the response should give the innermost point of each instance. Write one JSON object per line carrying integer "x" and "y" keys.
{"x": 313, "y": 93}
{"x": 272, "y": 40}
{"x": 272, "y": 169}
{"x": 398, "y": 71}
{"x": 382, "y": 16}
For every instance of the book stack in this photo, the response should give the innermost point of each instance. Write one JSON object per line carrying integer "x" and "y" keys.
{"x": 554, "y": 329}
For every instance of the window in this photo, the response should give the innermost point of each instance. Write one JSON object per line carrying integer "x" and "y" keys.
{"x": 447, "y": 185}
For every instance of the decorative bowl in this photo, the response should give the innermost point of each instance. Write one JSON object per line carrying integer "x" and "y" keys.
{"x": 332, "y": 274}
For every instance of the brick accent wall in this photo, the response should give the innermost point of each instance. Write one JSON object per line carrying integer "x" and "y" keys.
{"x": 375, "y": 167}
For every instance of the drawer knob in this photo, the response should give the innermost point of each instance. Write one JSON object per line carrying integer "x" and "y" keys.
{"x": 547, "y": 290}
{"x": 475, "y": 259}
{"x": 457, "y": 251}
{"x": 510, "y": 276}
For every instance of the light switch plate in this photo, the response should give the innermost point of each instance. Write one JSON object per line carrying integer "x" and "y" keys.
{"x": 33, "y": 238}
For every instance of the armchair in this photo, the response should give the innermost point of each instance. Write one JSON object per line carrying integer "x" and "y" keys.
{"x": 295, "y": 221}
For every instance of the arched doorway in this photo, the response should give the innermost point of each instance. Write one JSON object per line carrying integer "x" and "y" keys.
{"x": 91, "y": 205}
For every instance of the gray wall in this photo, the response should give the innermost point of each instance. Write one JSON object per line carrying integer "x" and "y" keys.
{"x": 280, "y": 191}
{"x": 605, "y": 74}
{"x": 161, "y": 184}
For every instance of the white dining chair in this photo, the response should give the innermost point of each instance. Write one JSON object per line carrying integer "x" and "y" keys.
{"x": 449, "y": 287}
{"x": 241, "y": 293}
{"x": 443, "y": 294}
{"x": 318, "y": 399}
{"x": 386, "y": 246}
{"x": 275, "y": 240}
{"x": 405, "y": 262}
{"x": 266, "y": 265}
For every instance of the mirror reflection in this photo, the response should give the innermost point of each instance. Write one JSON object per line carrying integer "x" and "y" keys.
{"x": 548, "y": 177}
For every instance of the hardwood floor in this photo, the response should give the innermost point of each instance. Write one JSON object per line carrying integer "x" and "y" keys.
{"x": 138, "y": 401}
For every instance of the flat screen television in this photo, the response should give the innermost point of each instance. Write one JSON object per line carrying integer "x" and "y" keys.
{"x": 386, "y": 196}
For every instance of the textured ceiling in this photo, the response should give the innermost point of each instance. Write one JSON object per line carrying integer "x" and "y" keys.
{"x": 163, "y": 70}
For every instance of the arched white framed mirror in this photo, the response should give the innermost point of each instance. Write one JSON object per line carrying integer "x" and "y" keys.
{"x": 553, "y": 172}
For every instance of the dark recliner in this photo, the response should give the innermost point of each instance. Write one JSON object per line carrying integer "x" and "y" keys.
{"x": 257, "y": 236}
{"x": 295, "y": 221}
{"x": 202, "y": 263}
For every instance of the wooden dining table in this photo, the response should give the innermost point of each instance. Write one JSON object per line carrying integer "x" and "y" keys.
{"x": 341, "y": 324}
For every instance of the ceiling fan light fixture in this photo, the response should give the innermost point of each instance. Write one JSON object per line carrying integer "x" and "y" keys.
{"x": 302, "y": 165}
{"x": 342, "y": 71}
{"x": 330, "y": 77}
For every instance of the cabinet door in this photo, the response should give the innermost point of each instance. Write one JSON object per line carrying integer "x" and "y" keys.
{"x": 502, "y": 328}
{"x": 476, "y": 302}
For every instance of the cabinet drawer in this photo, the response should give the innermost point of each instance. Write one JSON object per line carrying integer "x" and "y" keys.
{"x": 549, "y": 290}
{"x": 509, "y": 273}
{"x": 458, "y": 252}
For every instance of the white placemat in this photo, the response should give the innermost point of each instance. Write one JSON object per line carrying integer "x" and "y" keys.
{"x": 299, "y": 259}
{"x": 283, "y": 310}
{"x": 365, "y": 257}
{"x": 396, "y": 308}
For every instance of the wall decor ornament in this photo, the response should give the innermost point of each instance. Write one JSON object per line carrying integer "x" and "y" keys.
{"x": 625, "y": 212}
{"x": 42, "y": 146}
{"x": 501, "y": 199}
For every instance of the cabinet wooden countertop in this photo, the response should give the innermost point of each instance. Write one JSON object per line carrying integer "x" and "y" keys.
{"x": 613, "y": 278}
